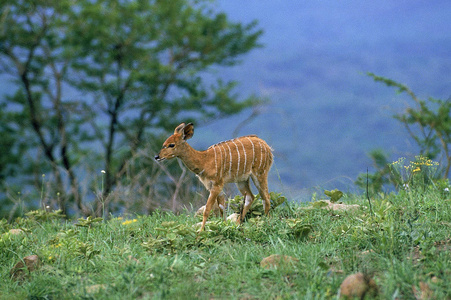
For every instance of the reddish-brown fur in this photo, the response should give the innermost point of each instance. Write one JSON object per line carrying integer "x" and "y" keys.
{"x": 235, "y": 160}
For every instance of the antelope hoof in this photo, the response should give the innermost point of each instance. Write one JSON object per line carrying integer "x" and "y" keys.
{"x": 239, "y": 220}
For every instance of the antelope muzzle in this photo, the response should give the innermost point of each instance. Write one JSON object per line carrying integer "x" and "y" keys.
{"x": 158, "y": 158}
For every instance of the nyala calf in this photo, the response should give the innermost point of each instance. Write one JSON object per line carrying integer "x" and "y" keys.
{"x": 235, "y": 160}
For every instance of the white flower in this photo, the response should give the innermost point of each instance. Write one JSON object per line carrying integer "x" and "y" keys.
{"x": 103, "y": 171}
{"x": 446, "y": 190}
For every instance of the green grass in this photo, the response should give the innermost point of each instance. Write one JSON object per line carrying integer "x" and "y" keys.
{"x": 405, "y": 241}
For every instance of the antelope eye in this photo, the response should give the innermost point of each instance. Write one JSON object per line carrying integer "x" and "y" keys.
{"x": 171, "y": 145}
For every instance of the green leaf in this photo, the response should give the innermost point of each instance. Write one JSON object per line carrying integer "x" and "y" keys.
{"x": 319, "y": 204}
{"x": 334, "y": 195}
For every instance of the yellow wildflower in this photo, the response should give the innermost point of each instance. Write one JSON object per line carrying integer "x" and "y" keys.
{"x": 129, "y": 222}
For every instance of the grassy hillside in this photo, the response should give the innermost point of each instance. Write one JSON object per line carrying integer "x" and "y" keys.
{"x": 403, "y": 243}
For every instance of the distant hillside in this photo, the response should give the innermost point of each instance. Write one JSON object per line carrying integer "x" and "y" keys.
{"x": 325, "y": 114}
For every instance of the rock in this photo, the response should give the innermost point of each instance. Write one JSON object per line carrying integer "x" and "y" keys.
{"x": 215, "y": 210}
{"x": 16, "y": 231}
{"x": 277, "y": 260}
{"x": 424, "y": 293}
{"x": 95, "y": 288}
{"x": 18, "y": 272}
{"x": 233, "y": 217}
{"x": 327, "y": 204}
{"x": 357, "y": 285}
{"x": 132, "y": 258}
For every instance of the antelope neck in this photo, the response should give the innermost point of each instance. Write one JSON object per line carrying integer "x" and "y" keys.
{"x": 193, "y": 159}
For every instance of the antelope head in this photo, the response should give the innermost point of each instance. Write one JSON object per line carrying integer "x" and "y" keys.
{"x": 175, "y": 144}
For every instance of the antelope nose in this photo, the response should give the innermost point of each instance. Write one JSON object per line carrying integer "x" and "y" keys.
{"x": 157, "y": 157}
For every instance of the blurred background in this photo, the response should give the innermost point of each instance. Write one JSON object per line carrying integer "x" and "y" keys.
{"x": 325, "y": 114}
{"x": 90, "y": 89}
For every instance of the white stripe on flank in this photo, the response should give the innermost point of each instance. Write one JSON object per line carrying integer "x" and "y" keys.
{"x": 238, "y": 165}
{"x": 230, "y": 154}
{"x": 245, "y": 157}
{"x": 224, "y": 160}
{"x": 220, "y": 160}
{"x": 261, "y": 154}
{"x": 216, "y": 164}
{"x": 266, "y": 157}
{"x": 253, "y": 152}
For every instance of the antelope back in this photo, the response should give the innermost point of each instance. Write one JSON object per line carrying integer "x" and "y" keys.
{"x": 236, "y": 159}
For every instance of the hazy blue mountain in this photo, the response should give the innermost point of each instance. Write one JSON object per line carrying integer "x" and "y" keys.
{"x": 325, "y": 114}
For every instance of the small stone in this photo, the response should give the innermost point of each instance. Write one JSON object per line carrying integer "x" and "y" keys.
{"x": 357, "y": 285}
{"x": 327, "y": 204}
{"x": 95, "y": 288}
{"x": 233, "y": 217}
{"x": 214, "y": 210}
{"x": 18, "y": 272}
{"x": 16, "y": 231}
{"x": 424, "y": 293}
{"x": 277, "y": 260}
{"x": 132, "y": 258}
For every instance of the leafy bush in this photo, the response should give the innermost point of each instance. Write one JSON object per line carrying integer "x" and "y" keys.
{"x": 256, "y": 209}
{"x": 428, "y": 123}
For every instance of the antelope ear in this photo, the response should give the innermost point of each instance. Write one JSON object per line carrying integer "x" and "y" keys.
{"x": 188, "y": 131}
{"x": 179, "y": 129}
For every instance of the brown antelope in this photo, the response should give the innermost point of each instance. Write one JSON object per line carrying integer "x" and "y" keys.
{"x": 235, "y": 160}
